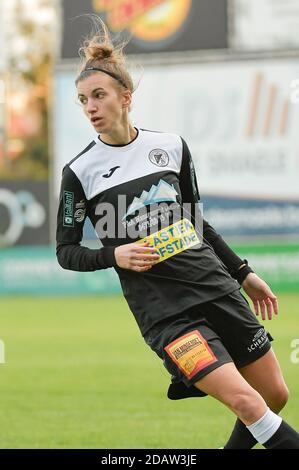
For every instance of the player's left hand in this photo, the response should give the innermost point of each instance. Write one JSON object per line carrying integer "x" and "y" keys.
{"x": 263, "y": 299}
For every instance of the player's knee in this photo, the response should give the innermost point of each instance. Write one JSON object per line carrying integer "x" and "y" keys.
{"x": 279, "y": 398}
{"x": 247, "y": 405}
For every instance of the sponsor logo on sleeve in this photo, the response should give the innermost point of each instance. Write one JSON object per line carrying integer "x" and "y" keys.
{"x": 80, "y": 211}
{"x": 191, "y": 353}
{"x": 68, "y": 209}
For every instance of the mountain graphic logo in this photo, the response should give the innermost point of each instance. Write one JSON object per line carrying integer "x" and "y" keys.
{"x": 161, "y": 192}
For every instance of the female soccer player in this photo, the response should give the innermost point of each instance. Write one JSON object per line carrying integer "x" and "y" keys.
{"x": 179, "y": 277}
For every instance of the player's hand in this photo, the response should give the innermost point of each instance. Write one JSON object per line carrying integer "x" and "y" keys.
{"x": 137, "y": 257}
{"x": 264, "y": 301}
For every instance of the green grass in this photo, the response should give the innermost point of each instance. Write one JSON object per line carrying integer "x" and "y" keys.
{"x": 79, "y": 375}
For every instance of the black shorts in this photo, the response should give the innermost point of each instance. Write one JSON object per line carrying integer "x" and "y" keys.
{"x": 207, "y": 336}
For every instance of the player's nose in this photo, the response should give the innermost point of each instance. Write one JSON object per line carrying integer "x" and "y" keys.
{"x": 91, "y": 106}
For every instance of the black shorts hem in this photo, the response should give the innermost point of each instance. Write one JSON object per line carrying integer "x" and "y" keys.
{"x": 257, "y": 356}
{"x": 204, "y": 372}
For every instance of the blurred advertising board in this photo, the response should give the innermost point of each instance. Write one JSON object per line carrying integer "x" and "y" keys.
{"x": 24, "y": 213}
{"x": 152, "y": 25}
{"x": 35, "y": 271}
{"x": 240, "y": 120}
{"x": 252, "y": 218}
{"x": 276, "y": 264}
{"x": 264, "y": 24}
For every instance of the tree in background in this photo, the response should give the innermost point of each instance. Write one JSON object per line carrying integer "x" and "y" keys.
{"x": 32, "y": 38}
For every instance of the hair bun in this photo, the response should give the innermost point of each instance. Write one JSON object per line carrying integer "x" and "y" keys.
{"x": 99, "y": 51}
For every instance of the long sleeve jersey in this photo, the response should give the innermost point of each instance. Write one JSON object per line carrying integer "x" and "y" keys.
{"x": 144, "y": 190}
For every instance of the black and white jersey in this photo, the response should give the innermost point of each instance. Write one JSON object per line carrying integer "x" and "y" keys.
{"x": 145, "y": 190}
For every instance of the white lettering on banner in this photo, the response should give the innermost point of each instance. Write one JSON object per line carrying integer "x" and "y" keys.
{"x": 262, "y": 218}
{"x": 260, "y": 160}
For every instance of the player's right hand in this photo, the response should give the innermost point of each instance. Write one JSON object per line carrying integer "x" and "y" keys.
{"x": 137, "y": 257}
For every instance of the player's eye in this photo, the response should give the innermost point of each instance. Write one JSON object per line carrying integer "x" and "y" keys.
{"x": 82, "y": 100}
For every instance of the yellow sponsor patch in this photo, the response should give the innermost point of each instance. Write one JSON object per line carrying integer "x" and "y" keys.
{"x": 191, "y": 353}
{"x": 173, "y": 239}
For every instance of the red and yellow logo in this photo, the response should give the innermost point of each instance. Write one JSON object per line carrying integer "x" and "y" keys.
{"x": 149, "y": 20}
{"x": 191, "y": 353}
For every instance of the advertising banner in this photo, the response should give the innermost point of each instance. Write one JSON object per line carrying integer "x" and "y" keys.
{"x": 24, "y": 213}
{"x": 264, "y": 24}
{"x": 35, "y": 271}
{"x": 151, "y": 25}
{"x": 277, "y": 264}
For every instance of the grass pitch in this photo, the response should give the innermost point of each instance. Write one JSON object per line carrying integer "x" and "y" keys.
{"x": 79, "y": 375}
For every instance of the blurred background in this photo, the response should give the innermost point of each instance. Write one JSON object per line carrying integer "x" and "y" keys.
{"x": 224, "y": 74}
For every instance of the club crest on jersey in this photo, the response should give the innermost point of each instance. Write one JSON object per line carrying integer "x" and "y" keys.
{"x": 159, "y": 157}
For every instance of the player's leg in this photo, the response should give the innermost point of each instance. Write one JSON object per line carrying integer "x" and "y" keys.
{"x": 198, "y": 358}
{"x": 247, "y": 342}
{"x": 258, "y": 364}
{"x": 227, "y": 385}
{"x": 265, "y": 376}
{"x": 192, "y": 352}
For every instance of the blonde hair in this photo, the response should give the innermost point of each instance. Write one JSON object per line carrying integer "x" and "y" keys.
{"x": 99, "y": 52}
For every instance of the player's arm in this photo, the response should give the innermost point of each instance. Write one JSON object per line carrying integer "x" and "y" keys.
{"x": 237, "y": 267}
{"x": 70, "y": 221}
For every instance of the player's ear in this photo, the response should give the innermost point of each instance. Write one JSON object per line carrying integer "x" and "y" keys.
{"x": 126, "y": 98}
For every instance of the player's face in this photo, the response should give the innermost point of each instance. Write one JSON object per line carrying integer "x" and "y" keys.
{"x": 103, "y": 102}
